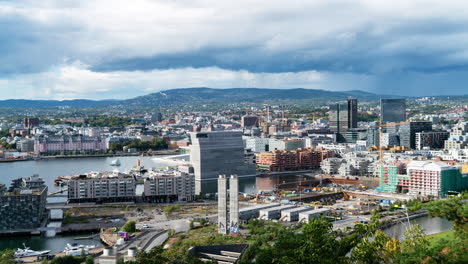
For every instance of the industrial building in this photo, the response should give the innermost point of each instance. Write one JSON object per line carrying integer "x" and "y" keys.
{"x": 254, "y": 211}
{"x": 291, "y": 215}
{"x": 423, "y": 178}
{"x": 307, "y": 215}
{"x": 101, "y": 187}
{"x": 215, "y": 153}
{"x": 169, "y": 186}
{"x": 23, "y": 205}
{"x": 274, "y": 213}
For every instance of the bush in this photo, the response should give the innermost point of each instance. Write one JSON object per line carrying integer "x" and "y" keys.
{"x": 129, "y": 227}
{"x": 171, "y": 208}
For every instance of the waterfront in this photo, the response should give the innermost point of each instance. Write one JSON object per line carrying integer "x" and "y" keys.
{"x": 50, "y": 169}
{"x": 55, "y": 244}
{"x": 430, "y": 225}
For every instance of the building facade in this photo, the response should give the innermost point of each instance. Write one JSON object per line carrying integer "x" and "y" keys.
{"x": 393, "y": 110}
{"x": 284, "y": 160}
{"x": 23, "y": 205}
{"x": 69, "y": 144}
{"x": 424, "y": 178}
{"x": 343, "y": 116}
{"x": 431, "y": 140}
{"x": 407, "y": 132}
{"x": 216, "y": 153}
{"x": 250, "y": 121}
{"x": 170, "y": 187}
{"x": 30, "y": 122}
{"x": 101, "y": 187}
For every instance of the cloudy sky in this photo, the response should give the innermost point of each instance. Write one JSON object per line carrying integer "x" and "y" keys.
{"x": 112, "y": 49}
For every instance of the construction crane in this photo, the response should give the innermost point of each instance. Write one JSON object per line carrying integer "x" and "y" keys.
{"x": 381, "y": 126}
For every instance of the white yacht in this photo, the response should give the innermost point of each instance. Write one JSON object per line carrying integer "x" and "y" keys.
{"x": 27, "y": 252}
{"x": 115, "y": 162}
{"x": 77, "y": 250}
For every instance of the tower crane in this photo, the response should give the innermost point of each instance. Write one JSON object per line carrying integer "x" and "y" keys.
{"x": 381, "y": 126}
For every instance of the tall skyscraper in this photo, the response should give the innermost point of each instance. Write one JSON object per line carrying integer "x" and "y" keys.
{"x": 343, "y": 116}
{"x": 216, "y": 153}
{"x": 393, "y": 110}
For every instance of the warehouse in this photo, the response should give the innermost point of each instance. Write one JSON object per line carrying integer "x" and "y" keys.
{"x": 307, "y": 215}
{"x": 274, "y": 212}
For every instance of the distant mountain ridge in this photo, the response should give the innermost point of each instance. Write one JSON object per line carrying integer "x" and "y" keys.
{"x": 25, "y": 103}
{"x": 203, "y": 95}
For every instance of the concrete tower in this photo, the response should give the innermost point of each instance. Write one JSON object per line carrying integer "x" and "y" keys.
{"x": 228, "y": 209}
{"x": 234, "y": 204}
{"x": 222, "y": 205}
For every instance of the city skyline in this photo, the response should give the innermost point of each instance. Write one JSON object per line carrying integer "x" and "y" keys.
{"x": 78, "y": 50}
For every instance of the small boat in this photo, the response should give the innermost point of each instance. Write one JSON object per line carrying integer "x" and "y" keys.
{"x": 27, "y": 252}
{"x": 115, "y": 162}
{"x": 77, "y": 250}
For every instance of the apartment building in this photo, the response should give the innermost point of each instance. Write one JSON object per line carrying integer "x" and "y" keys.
{"x": 424, "y": 178}
{"x": 23, "y": 205}
{"x": 431, "y": 140}
{"x": 101, "y": 187}
{"x": 281, "y": 160}
{"x": 169, "y": 186}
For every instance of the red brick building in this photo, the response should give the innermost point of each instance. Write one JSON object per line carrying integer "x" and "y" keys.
{"x": 284, "y": 160}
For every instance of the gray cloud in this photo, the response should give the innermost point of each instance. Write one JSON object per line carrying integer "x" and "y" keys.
{"x": 369, "y": 42}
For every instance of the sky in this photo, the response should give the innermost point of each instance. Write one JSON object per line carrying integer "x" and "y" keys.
{"x": 116, "y": 49}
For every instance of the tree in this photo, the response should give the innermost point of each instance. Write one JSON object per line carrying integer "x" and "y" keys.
{"x": 7, "y": 256}
{"x": 315, "y": 242}
{"x": 129, "y": 227}
{"x": 89, "y": 260}
{"x": 455, "y": 210}
{"x": 67, "y": 260}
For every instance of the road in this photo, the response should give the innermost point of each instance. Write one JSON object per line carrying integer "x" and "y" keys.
{"x": 179, "y": 225}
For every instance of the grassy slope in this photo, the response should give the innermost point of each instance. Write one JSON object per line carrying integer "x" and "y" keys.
{"x": 435, "y": 238}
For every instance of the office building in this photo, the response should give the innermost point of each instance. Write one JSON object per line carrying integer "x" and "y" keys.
{"x": 355, "y": 134}
{"x": 169, "y": 186}
{"x": 431, "y": 139}
{"x": 389, "y": 139}
{"x": 23, "y": 205}
{"x": 101, "y": 187}
{"x": 216, "y": 153}
{"x": 257, "y": 144}
{"x": 30, "y": 122}
{"x": 407, "y": 132}
{"x": 393, "y": 110}
{"x": 372, "y": 138}
{"x": 250, "y": 121}
{"x": 343, "y": 116}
